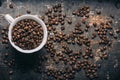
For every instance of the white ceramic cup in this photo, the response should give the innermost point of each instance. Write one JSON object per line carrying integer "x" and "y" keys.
{"x": 26, "y": 16}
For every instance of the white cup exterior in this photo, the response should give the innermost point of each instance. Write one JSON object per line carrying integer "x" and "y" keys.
{"x": 26, "y": 16}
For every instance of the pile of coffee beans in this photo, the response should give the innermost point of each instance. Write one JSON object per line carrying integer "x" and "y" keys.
{"x": 27, "y": 34}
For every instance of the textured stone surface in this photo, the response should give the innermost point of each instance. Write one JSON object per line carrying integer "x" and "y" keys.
{"x": 23, "y": 69}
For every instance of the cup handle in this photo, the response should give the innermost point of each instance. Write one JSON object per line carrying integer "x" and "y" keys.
{"x": 9, "y": 18}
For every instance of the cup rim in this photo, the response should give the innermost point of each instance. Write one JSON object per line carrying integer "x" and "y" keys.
{"x": 28, "y": 16}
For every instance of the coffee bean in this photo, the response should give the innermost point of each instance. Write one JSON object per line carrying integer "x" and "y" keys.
{"x": 6, "y": 54}
{"x": 62, "y": 23}
{"x": 86, "y": 57}
{"x": 5, "y": 61}
{"x": 117, "y": 30}
{"x": 74, "y": 13}
{"x": 111, "y": 16}
{"x": 60, "y": 10}
{"x": 28, "y": 11}
{"x": 95, "y": 75}
{"x": 115, "y": 36}
{"x": 11, "y": 5}
{"x": 69, "y": 20}
{"x": 3, "y": 31}
{"x": 98, "y": 12}
{"x": 99, "y": 65}
{"x": 86, "y": 29}
{"x": 111, "y": 33}
{"x": 10, "y": 72}
{"x": 9, "y": 64}
{"x": 105, "y": 56}
{"x": 10, "y": 78}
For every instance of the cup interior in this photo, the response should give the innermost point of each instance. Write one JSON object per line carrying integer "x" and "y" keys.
{"x": 33, "y": 17}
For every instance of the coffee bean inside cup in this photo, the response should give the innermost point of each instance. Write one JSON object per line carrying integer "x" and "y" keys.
{"x": 27, "y": 34}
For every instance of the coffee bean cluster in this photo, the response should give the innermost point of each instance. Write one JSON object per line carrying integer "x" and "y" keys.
{"x": 4, "y": 35}
{"x": 55, "y": 16}
{"x": 84, "y": 11}
{"x": 84, "y": 57}
{"x": 27, "y": 34}
{"x": 7, "y": 58}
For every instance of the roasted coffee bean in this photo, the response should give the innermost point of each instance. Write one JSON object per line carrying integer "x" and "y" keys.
{"x": 95, "y": 75}
{"x": 105, "y": 55}
{"x": 98, "y": 12}
{"x": 86, "y": 57}
{"x": 28, "y": 11}
{"x": 6, "y": 47}
{"x": 111, "y": 16}
{"x": 56, "y": 23}
{"x": 83, "y": 21}
{"x": 91, "y": 55}
{"x": 93, "y": 35}
{"x": 111, "y": 33}
{"x": 10, "y": 72}
{"x": 42, "y": 17}
{"x": 86, "y": 29}
{"x": 109, "y": 43}
{"x": 4, "y": 41}
{"x": 3, "y": 31}
{"x": 9, "y": 64}
{"x": 87, "y": 75}
{"x": 64, "y": 15}
{"x": 60, "y": 10}
{"x": 87, "y": 15}
{"x": 94, "y": 24}
{"x": 117, "y": 30}
{"x": 110, "y": 21}
{"x": 96, "y": 29}
{"x": 50, "y": 10}
{"x": 6, "y": 54}
{"x": 5, "y": 61}
{"x": 115, "y": 36}
{"x": 11, "y": 5}
{"x": 10, "y": 78}
{"x": 99, "y": 65}
{"x": 78, "y": 25}
{"x": 69, "y": 20}
{"x": 104, "y": 48}
{"x": 74, "y": 13}
{"x": 62, "y": 23}
{"x": 87, "y": 26}
{"x": 59, "y": 5}
{"x": 78, "y": 14}
{"x": 55, "y": 10}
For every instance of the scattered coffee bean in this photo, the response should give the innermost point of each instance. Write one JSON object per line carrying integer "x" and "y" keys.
{"x": 28, "y": 11}
{"x": 10, "y": 72}
{"x": 11, "y": 5}
{"x": 98, "y": 12}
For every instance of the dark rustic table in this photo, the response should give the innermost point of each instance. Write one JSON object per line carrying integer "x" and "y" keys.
{"x": 25, "y": 64}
